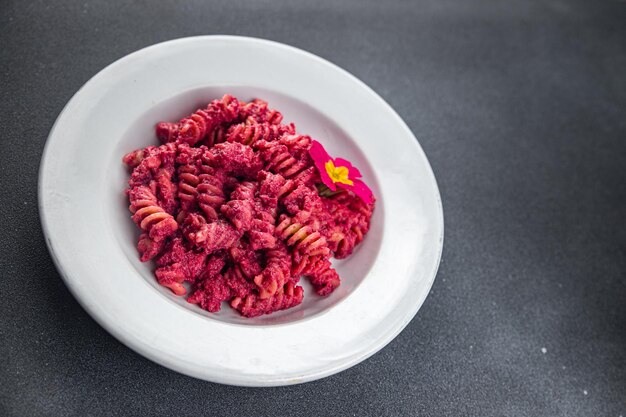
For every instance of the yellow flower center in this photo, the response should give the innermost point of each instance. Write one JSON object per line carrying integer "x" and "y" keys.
{"x": 338, "y": 174}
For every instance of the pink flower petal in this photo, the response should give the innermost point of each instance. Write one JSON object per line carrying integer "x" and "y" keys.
{"x": 363, "y": 192}
{"x": 320, "y": 157}
{"x": 327, "y": 180}
{"x": 318, "y": 153}
{"x": 354, "y": 173}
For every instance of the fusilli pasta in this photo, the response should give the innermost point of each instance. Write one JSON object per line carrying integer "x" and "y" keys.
{"x": 232, "y": 208}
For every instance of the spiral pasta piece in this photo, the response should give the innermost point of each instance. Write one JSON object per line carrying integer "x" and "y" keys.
{"x": 147, "y": 164}
{"x": 134, "y": 158}
{"x": 172, "y": 277}
{"x": 220, "y": 285}
{"x": 296, "y": 143}
{"x": 187, "y": 191}
{"x": 240, "y": 213}
{"x": 149, "y": 248}
{"x": 218, "y": 135}
{"x": 301, "y": 199}
{"x": 209, "y": 236}
{"x": 167, "y": 132}
{"x": 196, "y": 127}
{"x": 211, "y": 197}
{"x": 247, "y": 261}
{"x": 248, "y": 133}
{"x": 213, "y": 287}
{"x": 166, "y": 190}
{"x": 200, "y": 185}
{"x": 261, "y": 235}
{"x": 350, "y": 222}
{"x": 301, "y": 236}
{"x": 179, "y": 264}
{"x": 279, "y": 160}
{"x": 325, "y": 279}
{"x": 259, "y": 111}
{"x": 276, "y": 273}
{"x": 149, "y": 216}
{"x": 245, "y": 190}
{"x": 238, "y": 283}
{"x": 252, "y": 305}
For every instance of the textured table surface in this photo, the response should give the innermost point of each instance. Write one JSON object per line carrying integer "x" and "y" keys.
{"x": 521, "y": 109}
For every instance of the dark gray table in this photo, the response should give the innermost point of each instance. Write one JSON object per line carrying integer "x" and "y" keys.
{"x": 521, "y": 108}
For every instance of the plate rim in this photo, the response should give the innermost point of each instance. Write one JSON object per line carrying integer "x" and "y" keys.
{"x": 136, "y": 346}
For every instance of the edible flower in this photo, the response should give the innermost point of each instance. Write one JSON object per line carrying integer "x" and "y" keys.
{"x": 339, "y": 173}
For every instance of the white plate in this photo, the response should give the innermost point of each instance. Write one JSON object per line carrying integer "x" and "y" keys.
{"x": 92, "y": 239}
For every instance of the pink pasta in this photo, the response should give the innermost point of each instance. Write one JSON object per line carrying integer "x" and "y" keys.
{"x": 233, "y": 209}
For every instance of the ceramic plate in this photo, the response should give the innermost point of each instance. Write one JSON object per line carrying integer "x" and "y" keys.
{"x": 92, "y": 240}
